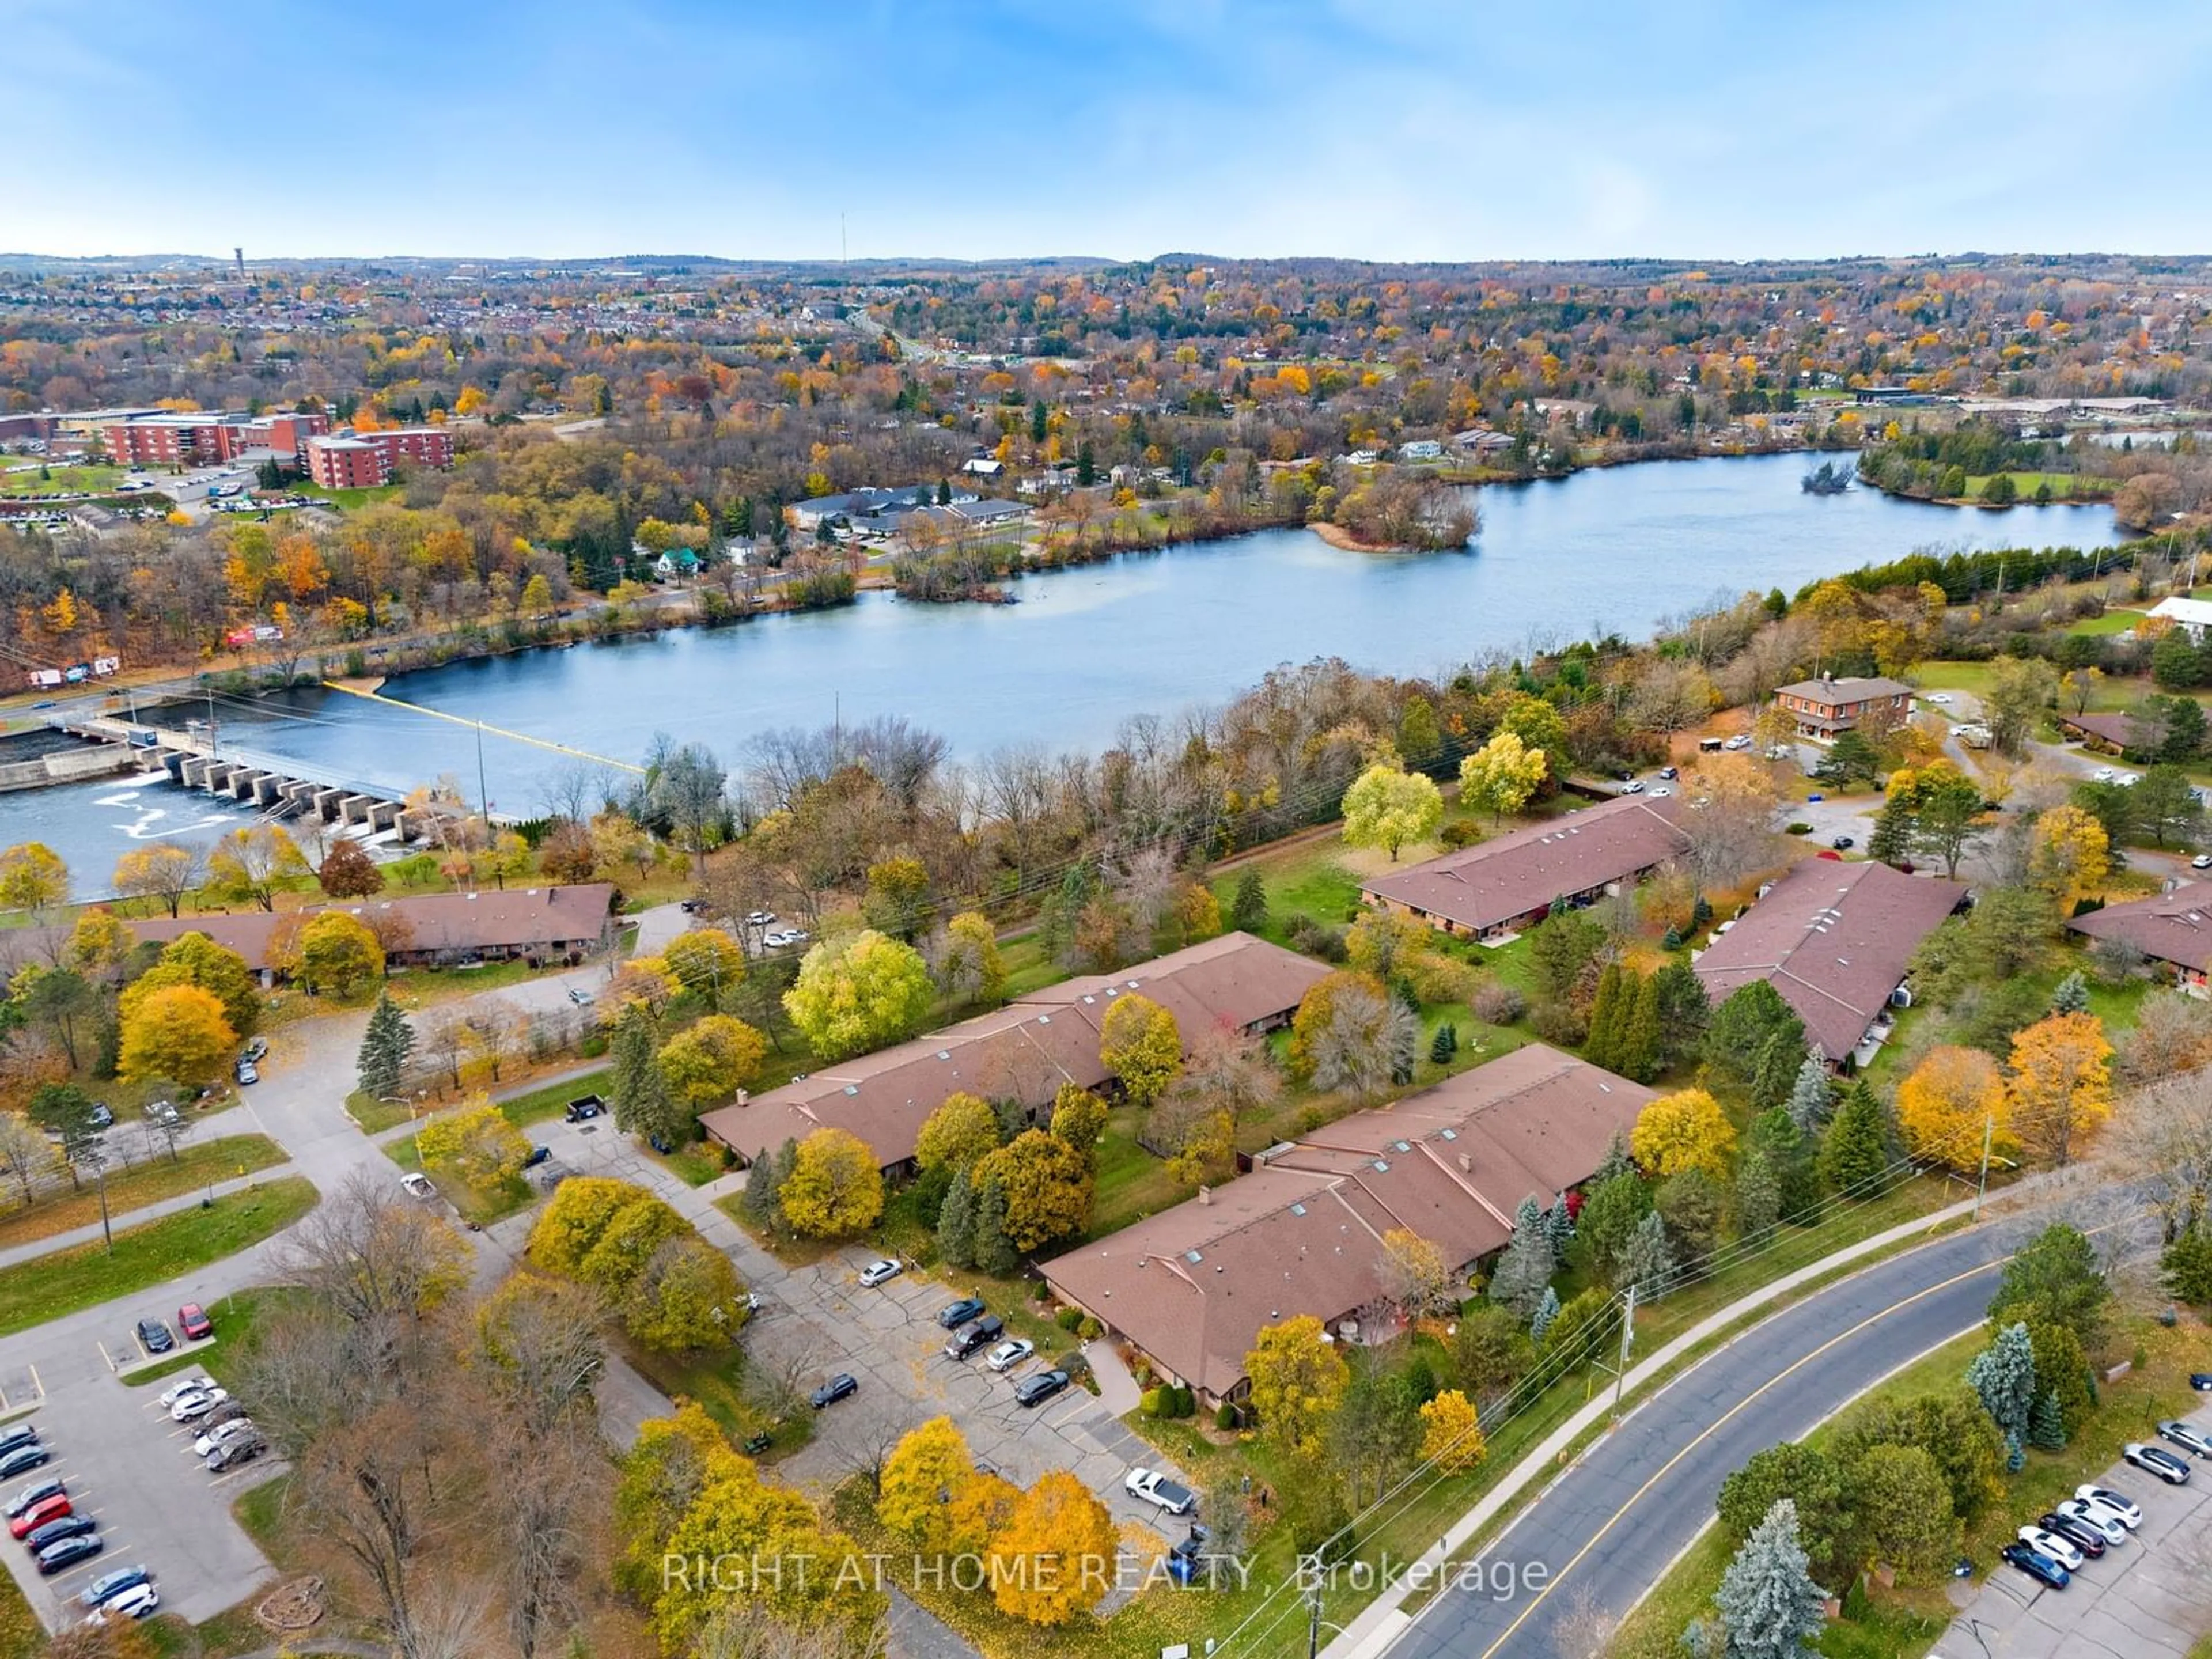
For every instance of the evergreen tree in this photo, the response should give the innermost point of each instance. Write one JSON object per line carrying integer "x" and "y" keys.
{"x": 1684, "y": 1010}
{"x": 1791, "y": 1153}
{"x": 1767, "y": 1599}
{"x": 1524, "y": 1270}
{"x": 1247, "y": 911}
{"x": 2071, "y": 995}
{"x": 2003, "y": 1376}
{"x": 1701, "y": 913}
{"x": 1757, "y": 1194}
{"x": 1637, "y": 1049}
{"x": 1812, "y": 1097}
{"x": 1892, "y": 840}
{"x": 637, "y": 1090}
{"x": 1445, "y": 1045}
{"x": 761, "y": 1203}
{"x": 2015, "y": 1454}
{"x": 2186, "y": 1268}
{"x": 1671, "y": 940}
{"x": 2046, "y": 1427}
{"x": 956, "y": 1223}
{"x": 1602, "y": 1044}
{"x": 1649, "y": 1263}
{"x": 384, "y": 1047}
{"x": 1547, "y": 1309}
{"x": 1615, "y": 1162}
{"x": 994, "y": 1252}
{"x": 1854, "y": 1151}
{"x": 1780, "y": 1060}
{"x": 1558, "y": 1230}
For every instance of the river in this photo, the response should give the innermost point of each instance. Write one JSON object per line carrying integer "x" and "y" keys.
{"x": 1611, "y": 550}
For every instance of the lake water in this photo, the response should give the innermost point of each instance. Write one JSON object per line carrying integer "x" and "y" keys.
{"x": 1616, "y": 550}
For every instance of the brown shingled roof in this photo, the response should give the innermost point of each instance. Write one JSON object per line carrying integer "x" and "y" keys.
{"x": 1523, "y": 871}
{"x": 1022, "y": 1052}
{"x": 2175, "y": 927}
{"x": 1303, "y": 1234}
{"x": 1835, "y": 939}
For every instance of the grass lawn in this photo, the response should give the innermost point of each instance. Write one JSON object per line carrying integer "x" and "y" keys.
{"x": 1311, "y": 879}
{"x": 479, "y": 1207}
{"x": 21, "y": 1635}
{"x": 352, "y": 500}
{"x": 1905, "y": 1622}
{"x": 26, "y": 484}
{"x": 149, "y": 1183}
{"x": 2064, "y": 486}
{"x": 2112, "y": 622}
{"x": 78, "y": 1277}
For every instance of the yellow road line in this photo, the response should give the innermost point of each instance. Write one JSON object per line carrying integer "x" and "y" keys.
{"x": 478, "y": 726}
{"x": 1713, "y": 1429}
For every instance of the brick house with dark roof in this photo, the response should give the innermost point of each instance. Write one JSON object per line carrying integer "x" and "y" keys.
{"x": 1827, "y": 706}
{"x": 1510, "y": 882}
{"x": 2110, "y": 735}
{"x": 1024, "y": 1051}
{"x": 1835, "y": 940}
{"x": 2174, "y": 929}
{"x": 1194, "y": 1286}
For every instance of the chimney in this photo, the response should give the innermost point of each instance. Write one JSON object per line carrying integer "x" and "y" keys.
{"x": 745, "y": 1096}
{"x": 1465, "y": 1164}
{"x": 1205, "y": 1193}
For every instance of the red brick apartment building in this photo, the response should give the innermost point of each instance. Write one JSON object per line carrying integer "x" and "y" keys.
{"x": 200, "y": 439}
{"x": 362, "y": 460}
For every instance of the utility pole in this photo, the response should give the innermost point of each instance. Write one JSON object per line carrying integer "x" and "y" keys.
{"x": 1982, "y": 1186}
{"x": 212, "y": 750}
{"x": 99, "y": 1169}
{"x": 484, "y": 795}
{"x": 1627, "y": 1337}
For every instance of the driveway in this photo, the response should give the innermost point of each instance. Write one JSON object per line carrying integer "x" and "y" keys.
{"x": 2150, "y": 1596}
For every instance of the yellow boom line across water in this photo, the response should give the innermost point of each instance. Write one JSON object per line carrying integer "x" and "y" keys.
{"x": 478, "y": 726}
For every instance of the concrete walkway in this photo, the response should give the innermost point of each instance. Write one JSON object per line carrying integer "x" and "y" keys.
{"x": 1117, "y": 1390}
{"x": 16, "y": 1254}
{"x": 1383, "y": 1619}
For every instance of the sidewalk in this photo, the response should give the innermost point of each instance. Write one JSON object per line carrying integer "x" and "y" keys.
{"x": 15, "y": 1254}
{"x": 1381, "y": 1621}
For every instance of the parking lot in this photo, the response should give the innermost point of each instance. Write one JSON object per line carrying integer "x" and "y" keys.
{"x": 2149, "y": 1596}
{"x": 889, "y": 1340}
{"x": 131, "y": 1468}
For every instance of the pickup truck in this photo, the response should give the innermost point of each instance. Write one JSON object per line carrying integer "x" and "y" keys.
{"x": 1156, "y": 1488}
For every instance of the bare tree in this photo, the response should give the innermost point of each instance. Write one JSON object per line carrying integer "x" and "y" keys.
{"x": 369, "y": 1252}
{"x": 751, "y": 1632}
{"x": 25, "y": 1152}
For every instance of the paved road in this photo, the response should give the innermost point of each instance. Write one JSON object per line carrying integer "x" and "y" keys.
{"x": 1610, "y": 1525}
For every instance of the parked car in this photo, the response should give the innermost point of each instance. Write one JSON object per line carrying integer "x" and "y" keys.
{"x": 32, "y": 1495}
{"x": 692, "y": 907}
{"x": 538, "y": 1156}
{"x": 2202, "y": 1381}
{"x": 60, "y": 1558}
{"x": 2079, "y": 1534}
{"x": 584, "y": 1108}
{"x": 1633, "y": 787}
{"x": 1941, "y": 699}
{"x": 1156, "y": 1488}
{"x": 2051, "y": 1544}
{"x": 784, "y": 938}
{"x": 234, "y": 1452}
{"x": 1010, "y": 1353}
{"x": 154, "y": 1336}
{"x": 23, "y": 1460}
{"x": 247, "y": 1073}
{"x": 2119, "y": 1504}
{"x": 2193, "y": 1441}
{"x": 192, "y": 1320}
{"x": 193, "y": 1407}
{"x": 882, "y": 1272}
{"x": 760, "y": 919}
{"x": 185, "y": 1385}
{"x": 111, "y": 1584}
{"x": 2103, "y": 774}
{"x": 1843, "y": 843}
{"x": 959, "y": 1313}
{"x": 2156, "y": 1460}
{"x": 164, "y": 1115}
{"x": 840, "y": 1387}
{"x": 580, "y": 997}
{"x": 237, "y": 1429}
{"x": 2037, "y": 1565}
{"x": 50, "y": 1508}
{"x": 1670, "y": 773}
{"x": 1185, "y": 1559}
{"x": 1036, "y": 1390}
{"x": 1738, "y": 742}
{"x": 65, "y": 1525}
{"x": 416, "y": 1184}
{"x": 2106, "y": 1523}
{"x": 22, "y": 1435}
{"x": 138, "y": 1601}
{"x": 2202, "y": 862}
{"x": 256, "y": 1050}
{"x": 968, "y": 1338}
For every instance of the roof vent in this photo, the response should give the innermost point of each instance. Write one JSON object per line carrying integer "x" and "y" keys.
{"x": 852, "y": 1088}
{"x": 1451, "y": 1134}
{"x": 1298, "y": 1209}
{"x": 1193, "y": 1256}
{"x": 1044, "y": 1019}
{"x": 1403, "y": 1145}
{"x": 1381, "y": 1165}
{"x": 945, "y": 1054}
{"x": 1090, "y": 999}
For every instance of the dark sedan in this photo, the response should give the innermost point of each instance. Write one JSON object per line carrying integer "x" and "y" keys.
{"x": 60, "y": 1558}
{"x": 22, "y": 1459}
{"x": 954, "y": 1315}
{"x": 2037, "y": 1565}
{"x": 840, "y": 1387}
{"x": 69, "y": 1526}
{"x": 2079, "y": 1534}
{"x": 1036, "y": 1390}
{"x": 154, "y": 1336}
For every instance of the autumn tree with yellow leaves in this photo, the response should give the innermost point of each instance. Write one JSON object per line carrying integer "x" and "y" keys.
{"x": 2062, "y": 1087}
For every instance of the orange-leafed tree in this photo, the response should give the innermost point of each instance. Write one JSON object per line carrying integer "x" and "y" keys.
{"x": 1946, "y": 1105}
{"x": 1053, "y": 1558}
{"x": 2062, "y": 1087}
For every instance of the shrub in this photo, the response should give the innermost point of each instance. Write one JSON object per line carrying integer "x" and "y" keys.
{"x": 1154, "y": 1403}
{"x": 1068, "y": 1318}
{"x": 1798, "y": 828}
{"x": 1499, "y": 1003}
{"x": 1089, "y": 1330}
{"x": 1559, "y": 1022}
{"x": 1186, "y": 1403}
{"x": 1316, "y": 939}
{"x": 1225, "y": 1418}
{"x": 1461, "y": 832}
{"x": 1040, "y": 1291}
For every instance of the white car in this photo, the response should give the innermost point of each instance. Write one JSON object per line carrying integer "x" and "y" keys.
{"x": 2122, "y": 1507}
{"x": 1739, "y": 741}
{"x": 760, "y": 919}
{"x": 416, "y": 1185}
{"x": 1633, "y": 787}
{"x": 1660, "y": 789}
{"x": 2202, "y": 862}
{"x": 221, "y": 1435}
{"x": 783, "y": 938}
{"x": 197, "y": 1382}
{"x": 882, "y": 1272}
{"x": 1941, "y": 699}
{"x": 2106, "y": 1523}
{"x": 2058, "y": 1549}
{"x": 1154, "y": 1487}
{"x": 139, "y": 1601}
{"x": 197, "y": 1404}
{"x": 2127, "y": 780}
{"x": 2156, "y": 1460}
{"x": 2103, "y": 774}
{"x": 2188, "y": 1438}
{"x": 1009, "y": 1354}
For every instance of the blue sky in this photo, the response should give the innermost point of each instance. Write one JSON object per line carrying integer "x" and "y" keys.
{"x": 1370, "y": 128}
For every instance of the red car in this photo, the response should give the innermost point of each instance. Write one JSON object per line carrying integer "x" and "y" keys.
{"x": 45, "y": 1510}
{"x": 194, "y": 1323}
